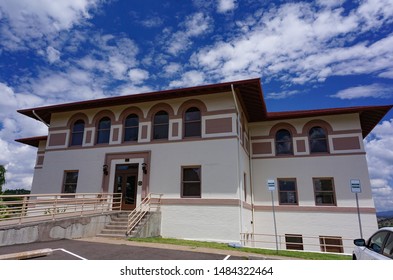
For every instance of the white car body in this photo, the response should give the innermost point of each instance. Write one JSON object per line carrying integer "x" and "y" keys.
{"x": 378, "y": 247}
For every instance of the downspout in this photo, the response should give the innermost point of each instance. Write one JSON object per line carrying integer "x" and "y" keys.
{"x": 251, "y": 182}
{"x": 238, "y": 161}
{"x": 38, "y": 117}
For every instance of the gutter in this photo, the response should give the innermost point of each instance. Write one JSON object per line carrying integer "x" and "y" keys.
{"x": 238, "y": 161}
{"x": 38, "y": 117}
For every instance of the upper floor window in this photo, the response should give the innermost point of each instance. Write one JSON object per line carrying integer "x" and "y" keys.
{"x": 318, "y": 140}
{"x": 161, "y": 125}
{"x": 104, "y": 130}
{"x": 284, "y": 142}
{"x": 131, "y": 128}
{"x": 192, "y": 122}
{"x": 77, "y": 133}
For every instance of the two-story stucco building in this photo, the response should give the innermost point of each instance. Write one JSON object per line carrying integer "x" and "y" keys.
{"x": 210, "y": 151}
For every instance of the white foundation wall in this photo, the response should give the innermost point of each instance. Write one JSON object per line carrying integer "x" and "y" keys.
{"x": 201, "y": 222}
{"x": 311, "y": 225}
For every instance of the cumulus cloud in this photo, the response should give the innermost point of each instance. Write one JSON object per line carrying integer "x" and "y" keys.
{"x": 299, "y": 43}
{"x": 53, "y": 55}
{"x": 379, "y": 150}
{"x": 224, "y": 6}
{"x": 138, "y": 76}
{"x": 32, "y": 20}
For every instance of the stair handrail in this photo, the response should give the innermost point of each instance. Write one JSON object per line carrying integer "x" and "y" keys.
{"x": 146, "y": 205}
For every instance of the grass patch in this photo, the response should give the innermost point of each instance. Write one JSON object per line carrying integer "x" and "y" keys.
{"x": 224, "y": 246}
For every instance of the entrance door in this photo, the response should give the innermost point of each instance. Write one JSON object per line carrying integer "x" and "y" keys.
{"x": 126, "y": 183}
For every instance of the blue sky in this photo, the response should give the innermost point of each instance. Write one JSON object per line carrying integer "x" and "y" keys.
{"x": 327, "y": 53}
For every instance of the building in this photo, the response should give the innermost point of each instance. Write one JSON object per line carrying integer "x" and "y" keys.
{"x": 210, "y": 151}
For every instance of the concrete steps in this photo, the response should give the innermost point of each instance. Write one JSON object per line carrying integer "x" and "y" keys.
{"x": 118, "y": 226}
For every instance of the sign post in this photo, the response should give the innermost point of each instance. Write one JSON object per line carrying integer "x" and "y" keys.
{"x": 271, "y": 185}
{"x": 356, "y": 188}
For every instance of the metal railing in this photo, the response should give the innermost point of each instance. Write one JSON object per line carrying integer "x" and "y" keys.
{"x": 328, "y": 244}
{"x": 18, "y": 209}
{"x": 152, "y": 202}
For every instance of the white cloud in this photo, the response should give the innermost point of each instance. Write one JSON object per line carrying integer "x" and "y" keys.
{"x": 224, "y": 6}
{"x": 379, "y": 150}
{"x": 138, "y": 76}
{"x": 298, "y": 43}
{"x": 195, "y": 25}
{"x": 29, "y": 20}
{"x": 53, "y": 55}
{"x": 374, "y": 90}
{"x": 188, "y": 79}
{"x": 282, "y": 94}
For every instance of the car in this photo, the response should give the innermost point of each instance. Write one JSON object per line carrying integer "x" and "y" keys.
{"x": 378, "y": 247}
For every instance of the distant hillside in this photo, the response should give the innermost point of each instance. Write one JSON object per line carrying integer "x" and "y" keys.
{"x": 385, "y": 214}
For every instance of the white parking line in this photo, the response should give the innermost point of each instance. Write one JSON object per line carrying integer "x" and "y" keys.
{"x": 227, "y": 257}
{"x": 68, "y": 252}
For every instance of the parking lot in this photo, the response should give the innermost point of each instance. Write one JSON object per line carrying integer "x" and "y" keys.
{"x": 92, "y": 249}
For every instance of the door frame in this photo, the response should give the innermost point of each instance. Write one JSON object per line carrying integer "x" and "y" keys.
{"x": 125, "y": 174}
{"x": 112, "y": 159}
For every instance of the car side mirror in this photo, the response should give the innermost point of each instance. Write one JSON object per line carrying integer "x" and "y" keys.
{"x": 359, "y": 242}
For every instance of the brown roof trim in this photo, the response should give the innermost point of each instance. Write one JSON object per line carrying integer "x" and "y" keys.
{"x": 369, "y": 116}
{"x": 248, "y": 91}
{"x": 32, "y": 141}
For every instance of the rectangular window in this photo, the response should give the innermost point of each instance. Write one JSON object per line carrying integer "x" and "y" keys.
{"x": 324, "y": 191}
{"x": 287, "y": 191}
{"x": 70, "y": 181}
{"x": 333, "y": 244}
{"x": 191, "y": 182}
{"x": 294, "y": 241}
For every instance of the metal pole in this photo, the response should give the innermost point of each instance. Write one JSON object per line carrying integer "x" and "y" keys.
{"x": 274, "y": 219}
{"x": 360, "y": 222}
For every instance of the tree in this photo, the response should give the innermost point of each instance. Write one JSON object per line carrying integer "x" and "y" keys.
{"x": 2, "y": 178}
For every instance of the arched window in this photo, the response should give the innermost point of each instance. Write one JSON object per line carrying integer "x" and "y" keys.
{"x": 192, "y": 122}
{"x": 284, "y": 142}
{"x": 131, "y": 128}
{"x": 161, "y": 125}
{"x": 77, "y": 133}
{"x": 104, "y": 130}
{"x": 318, "y": 140}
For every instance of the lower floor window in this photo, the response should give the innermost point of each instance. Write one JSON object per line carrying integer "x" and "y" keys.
{"x": 333, "y": 244}
{"x": 324, "y": 191}
{"x": 191, "y": 182}
{"x": 70, "y": 181}
{"x": 294, "y": 241}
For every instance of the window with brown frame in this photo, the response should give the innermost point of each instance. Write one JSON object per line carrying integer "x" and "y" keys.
{"x": 131, "y": 128}
{"x": 104, "y": 130}
{"x": 318, "y": 140}
{"x": 191, "y": 182}
{"x": 192, "y": 122}
{"x": 161, "y": 125}
{"x": 333, "y": 244}
{"x": 324, "y": 191}
{"x": 294, "y": 241}
{"x": 284, "y": 142}
{"x": 77, "y": 133}
{"x": 70, "y": 181}
{"x": 287, "y": 192}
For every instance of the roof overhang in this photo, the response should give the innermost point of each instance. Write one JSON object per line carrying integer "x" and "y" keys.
{"x": 249, "y": 93}
{"x": 369, "y": 116}
{"x": 32, "y": 141}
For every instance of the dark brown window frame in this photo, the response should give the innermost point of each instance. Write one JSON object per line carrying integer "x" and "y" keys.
{"x": 103, "y": 130}
{"x": 75, "y": 133}
{"x": 132, "y": 127}
{"x": 325, "y": 139}
{"x": 333, "y": 191}
{"x": 330, "y": 246}
{"x": 65, "y": 182}
{"x": 191, "y": 122}
{"x": 156, "y": 125}
{"x": 279, "y": 191}
{"x": 294, "y": 245}
{"x": 182, "y": 181}
{"x": 278, "y": 142}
